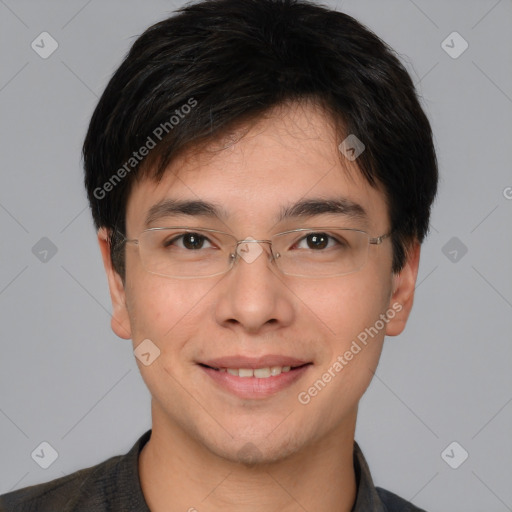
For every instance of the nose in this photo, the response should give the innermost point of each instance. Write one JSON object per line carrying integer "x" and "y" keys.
{"x": 253, "y": 295}
{"x": 250, "y": 249}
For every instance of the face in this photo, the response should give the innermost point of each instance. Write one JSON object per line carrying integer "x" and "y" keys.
{"x": 330, "y": 331}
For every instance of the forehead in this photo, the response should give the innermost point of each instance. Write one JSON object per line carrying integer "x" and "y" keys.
{"x": 259, "y": 171}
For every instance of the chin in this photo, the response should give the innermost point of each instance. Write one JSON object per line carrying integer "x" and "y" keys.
{"x": 257, "y": 452}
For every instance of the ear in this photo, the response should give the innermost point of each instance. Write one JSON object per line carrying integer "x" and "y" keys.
{"x": 120, "y": 320}
{"x": 402, "y": 296}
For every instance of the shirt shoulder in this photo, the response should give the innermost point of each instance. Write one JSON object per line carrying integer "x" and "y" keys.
{"x": 58, "y": 494}
{"x": 109, "y": 486}
{"x": 372, "y": 498}
{"x": 394, "y": 503}
{"x": 88, "y": 486}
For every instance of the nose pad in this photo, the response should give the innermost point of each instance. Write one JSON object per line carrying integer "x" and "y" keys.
{"x": 251, "y": 249}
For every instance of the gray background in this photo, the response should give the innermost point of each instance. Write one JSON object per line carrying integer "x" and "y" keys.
{"x": 66, "y": 379}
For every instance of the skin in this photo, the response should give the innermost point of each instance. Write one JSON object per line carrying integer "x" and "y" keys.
{"x": 300, "y": 455}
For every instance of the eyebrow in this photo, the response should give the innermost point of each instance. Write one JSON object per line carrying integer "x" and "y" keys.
{"x": 302, "y": 209}
{"x": 195, "y": 208}
{"x": 312, "y": 207}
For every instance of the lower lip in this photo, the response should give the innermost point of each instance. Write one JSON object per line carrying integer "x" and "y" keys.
{"x": 254, "y": 387}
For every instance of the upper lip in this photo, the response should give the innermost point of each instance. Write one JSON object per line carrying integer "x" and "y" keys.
{"x": 253, "y": 362}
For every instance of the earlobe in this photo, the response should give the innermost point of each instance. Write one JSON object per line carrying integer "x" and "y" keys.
{"x": 402, "y": 297}
{"x": 120, "y": 320}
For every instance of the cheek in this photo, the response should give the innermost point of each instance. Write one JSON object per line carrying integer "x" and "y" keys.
{"x": 349, "y": 310}
{"x": 165, "y": 310}
{"x": 345, "y": 306}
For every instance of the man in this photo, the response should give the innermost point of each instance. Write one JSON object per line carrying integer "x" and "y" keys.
{"x": 261, "y": 175}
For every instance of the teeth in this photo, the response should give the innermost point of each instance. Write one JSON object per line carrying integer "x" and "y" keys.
{"x": 275, "y": 370}
{"x": 260, "y": 373}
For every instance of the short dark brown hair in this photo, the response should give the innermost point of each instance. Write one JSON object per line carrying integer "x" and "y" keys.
{"x": 218, "y": 63}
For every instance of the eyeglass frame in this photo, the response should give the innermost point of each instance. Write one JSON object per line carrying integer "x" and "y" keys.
{"x": 234, "y": 256}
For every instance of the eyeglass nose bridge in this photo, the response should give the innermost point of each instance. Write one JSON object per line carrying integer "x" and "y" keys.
{"x": 250, "y": 253}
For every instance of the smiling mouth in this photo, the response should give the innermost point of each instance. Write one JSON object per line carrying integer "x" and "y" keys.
{"x": 259, "y": 373}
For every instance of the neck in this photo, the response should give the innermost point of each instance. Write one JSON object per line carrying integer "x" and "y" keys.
{"x": 179, "y": 474}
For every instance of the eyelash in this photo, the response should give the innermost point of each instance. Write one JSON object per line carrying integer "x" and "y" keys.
{"x": 172, "y": 241}
{"x": 168, "y": 243}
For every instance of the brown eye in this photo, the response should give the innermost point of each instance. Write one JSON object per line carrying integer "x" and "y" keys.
{"x": 193, "y": 241}
{"x": 317, "y": 240}
{"x": 189, "y": 241}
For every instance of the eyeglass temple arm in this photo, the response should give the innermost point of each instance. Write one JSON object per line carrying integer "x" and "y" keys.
{"x": 378, "y": 240}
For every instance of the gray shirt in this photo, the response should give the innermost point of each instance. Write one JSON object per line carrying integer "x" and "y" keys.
{"x": 114, "y": 485}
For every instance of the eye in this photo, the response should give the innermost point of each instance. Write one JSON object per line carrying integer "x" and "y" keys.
{"x": 318, "y": 241}
{"x": 189, "y": 241}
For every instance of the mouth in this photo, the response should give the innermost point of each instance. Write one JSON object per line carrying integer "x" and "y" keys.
{"x": 259, "y": 373}
{"x": 255, "y": 378}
